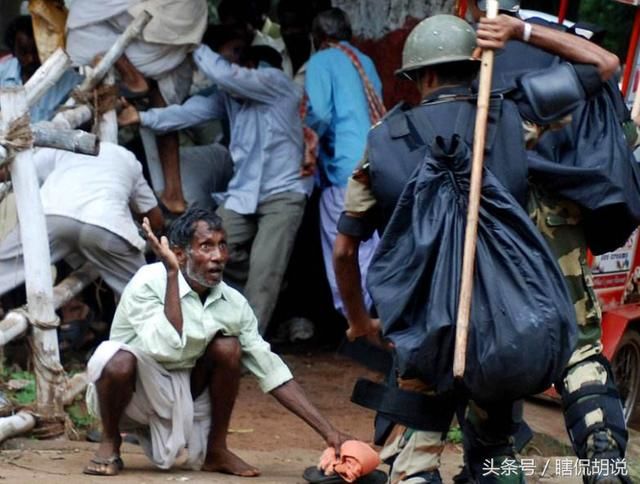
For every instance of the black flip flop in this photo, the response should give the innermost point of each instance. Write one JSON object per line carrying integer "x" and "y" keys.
{"x": 313, "y": 475}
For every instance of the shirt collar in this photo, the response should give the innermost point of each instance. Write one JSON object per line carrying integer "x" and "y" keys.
{"x": 214, "y": 294}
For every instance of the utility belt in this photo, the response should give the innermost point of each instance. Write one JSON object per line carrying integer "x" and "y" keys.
{"x": 411, "y": 409}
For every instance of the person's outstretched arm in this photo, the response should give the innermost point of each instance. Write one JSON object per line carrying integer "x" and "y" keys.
{"x": 292, "y": 397}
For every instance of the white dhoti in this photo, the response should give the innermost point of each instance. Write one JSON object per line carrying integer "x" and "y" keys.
{"x": 162, "y": 413}
{"x": 161, "y": 54}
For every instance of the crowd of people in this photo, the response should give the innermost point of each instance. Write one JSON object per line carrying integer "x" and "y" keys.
{"x": 286, "y": 110}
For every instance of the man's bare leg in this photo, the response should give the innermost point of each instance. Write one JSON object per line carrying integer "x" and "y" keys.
{"x": 131, "y": 77}
{"x": 115, "y": 388}
{"x": 219, "y": 369}
{"x": 168, "y": 150}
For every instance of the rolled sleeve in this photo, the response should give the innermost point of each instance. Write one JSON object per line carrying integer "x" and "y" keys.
{"x": 257, "y": 356}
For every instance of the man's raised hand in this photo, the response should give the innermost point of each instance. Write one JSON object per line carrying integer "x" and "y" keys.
{"x": 161, "y": 247}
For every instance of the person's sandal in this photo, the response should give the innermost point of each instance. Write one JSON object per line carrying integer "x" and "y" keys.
{"x": 100, "y": 466}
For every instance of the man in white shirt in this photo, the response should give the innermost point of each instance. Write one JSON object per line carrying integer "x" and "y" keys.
{"x": 87, "y": 201}
{"x": 171, "y": 369}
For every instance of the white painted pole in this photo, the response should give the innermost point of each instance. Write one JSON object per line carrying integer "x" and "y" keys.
{"x": 108, "y": 130}
{"x": 37, "y": 261}
{"x": 46, "y": 76}
{"x": 72, "y": 118}
{"x": 76, "y": 385}
{"x": 17, "y": 424}
{"x": 50, "y": 135}
{"x": 15, "y": 323}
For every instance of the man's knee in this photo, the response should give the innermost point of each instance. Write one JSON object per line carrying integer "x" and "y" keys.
{"x": 225, "y": 350}
{"x": 120, "y": 368}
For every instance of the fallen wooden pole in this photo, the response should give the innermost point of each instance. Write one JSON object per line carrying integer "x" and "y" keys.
{"x": 16, "y": 323}
{"x": 115, "y": 52}
{"x": 49, "y": 136}
{"x": 74, "y": 140}
{"x": 46, "y": 76}
{"x": 471, "y": 232}
{"x": 73, "y": 117}
{"x": 13, "y": 325}
{"x": 17, "y": 424}
{"x": 74, "y": 283}
{"x": 75, "y": 385}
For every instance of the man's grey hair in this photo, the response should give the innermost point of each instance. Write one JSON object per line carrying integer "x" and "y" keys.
{"x": 332, "y": 24}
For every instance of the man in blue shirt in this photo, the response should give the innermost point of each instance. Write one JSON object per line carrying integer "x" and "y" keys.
{"x": 339, "y": 112}
{"x": 266, "y": 196}
{"x": 16, "y": 70}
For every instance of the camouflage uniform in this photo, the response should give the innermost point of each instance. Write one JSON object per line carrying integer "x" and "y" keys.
{"x": 592, "y": 408}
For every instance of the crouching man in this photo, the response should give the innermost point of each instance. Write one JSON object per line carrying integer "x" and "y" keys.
{"x": 171, "y": 369}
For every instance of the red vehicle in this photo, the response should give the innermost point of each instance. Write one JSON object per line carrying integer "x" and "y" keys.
{"x": 616, "y": 279}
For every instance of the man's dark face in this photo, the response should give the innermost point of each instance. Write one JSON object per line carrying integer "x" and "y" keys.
{"x": 27, "y": 54}
{"x": 203, "y": 262}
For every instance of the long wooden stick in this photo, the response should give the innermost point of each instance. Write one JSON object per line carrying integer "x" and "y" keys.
{"x": 471, "y": 233}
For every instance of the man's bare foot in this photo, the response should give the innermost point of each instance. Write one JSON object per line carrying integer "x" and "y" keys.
{"x": 225, "y": 461}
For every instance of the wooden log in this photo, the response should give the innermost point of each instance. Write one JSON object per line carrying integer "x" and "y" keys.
{"x": 72, "y": 118}
{"x": 46, "y": 76}
{"x": 74, "y": 283}
{"x": 15, "y": 323}
{"x": 108, "y": 130}
{"x": 76, "y": 385}
{"x": 37, "y": 261}
{"x": 117, "y": 49}
{"x": 46, "y": 134}
{"x": 17, "y": 424}
{"x": 471, "y": 231}
{"x": 74, "y": 140}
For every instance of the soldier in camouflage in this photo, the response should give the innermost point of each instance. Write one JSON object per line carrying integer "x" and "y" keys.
{"x": 414, "y": 451}
{"x": 592, "y": 408}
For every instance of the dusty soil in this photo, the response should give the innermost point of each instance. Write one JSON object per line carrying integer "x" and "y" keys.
{"x": 263, "y": 433}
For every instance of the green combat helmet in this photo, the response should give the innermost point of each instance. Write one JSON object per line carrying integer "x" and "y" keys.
{"x": 437, "y": 40}
{"x": 504, "y": 5}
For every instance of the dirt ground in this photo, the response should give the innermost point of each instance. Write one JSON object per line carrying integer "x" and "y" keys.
{"x": 263, "y": 433}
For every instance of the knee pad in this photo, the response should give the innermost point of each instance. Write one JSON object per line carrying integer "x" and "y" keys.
{"x": 593, "y": 410}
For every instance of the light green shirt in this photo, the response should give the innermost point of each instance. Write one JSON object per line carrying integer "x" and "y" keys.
{"x": 140, "y": 322}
